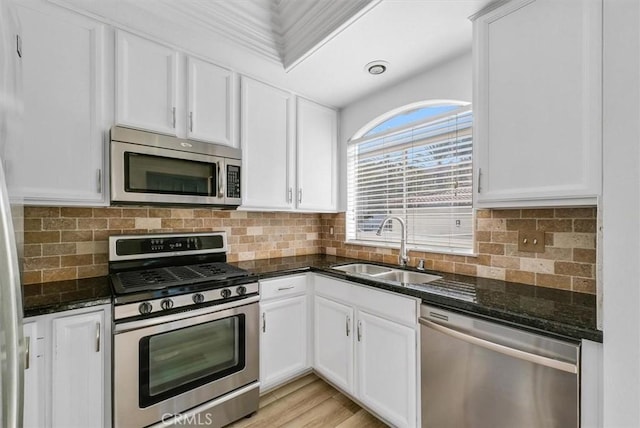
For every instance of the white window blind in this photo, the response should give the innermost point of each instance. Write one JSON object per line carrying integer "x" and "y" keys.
{"x": 422, "y": 173}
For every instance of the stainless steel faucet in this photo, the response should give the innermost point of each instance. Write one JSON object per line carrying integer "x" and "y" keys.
{"x": 403, "y": 259}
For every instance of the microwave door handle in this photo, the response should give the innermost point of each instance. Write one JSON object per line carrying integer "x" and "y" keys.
{"x": 220, "y": 183}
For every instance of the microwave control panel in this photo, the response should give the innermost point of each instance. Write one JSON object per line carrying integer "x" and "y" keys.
{"x": 233, "y": 181}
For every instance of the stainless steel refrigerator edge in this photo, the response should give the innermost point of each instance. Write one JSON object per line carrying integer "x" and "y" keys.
{"x": 480, "y": 374}
{"x": 11, "y": 340}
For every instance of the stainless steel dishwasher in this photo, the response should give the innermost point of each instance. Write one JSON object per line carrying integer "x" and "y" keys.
{"x": 480, "y": 374}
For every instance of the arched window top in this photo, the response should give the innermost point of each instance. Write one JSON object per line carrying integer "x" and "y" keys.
{"x": 408, "y": 115}
{"x": 414, "y": 162}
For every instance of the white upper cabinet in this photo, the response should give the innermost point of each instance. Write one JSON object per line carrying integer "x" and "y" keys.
{"x": 317, "y": 140}
{"x": 537, "y": 103}
{"x": 211, "y": 103}
{"x": 146, "y": 84}
{"x": 64, "y": 86}
{"x": 283, "y": 172}
{"x": 266, "y": 130}
{"x": 160, "y": 89}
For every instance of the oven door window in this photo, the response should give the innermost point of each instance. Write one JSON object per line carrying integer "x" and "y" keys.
{"x": 180, "y": 360}
{"x": 157, "y": 174}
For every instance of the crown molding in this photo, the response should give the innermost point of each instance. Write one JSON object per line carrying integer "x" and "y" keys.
{"x": 247, "y": 24}
{"x": 307, "y": 25}
{"x": 282, "y": 31}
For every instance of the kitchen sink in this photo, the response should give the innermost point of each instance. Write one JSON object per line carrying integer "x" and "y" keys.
{"x": 363, "y": 268}
{"x": 408, "y": 277}
{"x": 387, "y": 274}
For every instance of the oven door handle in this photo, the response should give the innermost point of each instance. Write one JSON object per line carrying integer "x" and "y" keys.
{"x": 135, "y": 325}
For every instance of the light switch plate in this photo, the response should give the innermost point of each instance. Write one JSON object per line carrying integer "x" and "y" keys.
{"x": 531, "y": 241}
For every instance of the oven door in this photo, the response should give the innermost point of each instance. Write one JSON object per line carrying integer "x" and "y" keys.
{"x": 157, "y": 175}
{"x": 167, "y": 365}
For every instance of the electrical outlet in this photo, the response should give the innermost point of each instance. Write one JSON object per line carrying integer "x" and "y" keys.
{"x": 531, "y": 241}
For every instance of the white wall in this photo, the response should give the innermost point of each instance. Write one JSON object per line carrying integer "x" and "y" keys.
{"x": 451, "y": 80}
{"x": 621, "y": 214}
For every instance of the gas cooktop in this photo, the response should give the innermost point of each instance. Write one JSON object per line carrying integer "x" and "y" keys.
{"x": 174, "y": 276}
{"x": 153, "y": 274}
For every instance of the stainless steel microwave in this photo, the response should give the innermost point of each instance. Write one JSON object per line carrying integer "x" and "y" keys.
{"x": 149, "y": 168}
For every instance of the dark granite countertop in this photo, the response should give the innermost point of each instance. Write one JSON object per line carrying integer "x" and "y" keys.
{"x": 50, "y": 297}
{"x": 549, "y": 311}
{"x": 560, "y": 313}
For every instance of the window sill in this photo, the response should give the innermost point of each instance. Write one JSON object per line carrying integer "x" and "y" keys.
{"x": 423, "y": 249}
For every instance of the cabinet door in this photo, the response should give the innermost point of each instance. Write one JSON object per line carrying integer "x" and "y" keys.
{"x": 537, "y": 103}
{"x": 78, "y": 381}
{"x": 146, "y": 83}
{"x": 283, "y": 340}
{"x": 266, "y": 146}
{"x": 316, "y": 156}
{"x": 34, "y": 408}
{"x": 63, "y": 81}
{"x": 333, "y": 342}
{"x": 211, "y": 103}
{"x": 386, "y": 364}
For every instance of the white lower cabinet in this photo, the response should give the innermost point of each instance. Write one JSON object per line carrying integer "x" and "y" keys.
{"x": 386, "y": 365}
{"x": 69, "y": 385}
{"x": 283, "y": 330}
{"x": 78, "y": 370}
{"x": 333, "y": 345}
{"x": 33, "y": 376}
{"x": 365, "y": 343}
{"x": 591, "y": 381}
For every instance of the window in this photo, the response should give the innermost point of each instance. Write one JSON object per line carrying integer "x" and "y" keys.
{"x": 416, "y": 165}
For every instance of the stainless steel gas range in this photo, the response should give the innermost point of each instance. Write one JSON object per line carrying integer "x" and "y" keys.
{"x": 185, "y": 346}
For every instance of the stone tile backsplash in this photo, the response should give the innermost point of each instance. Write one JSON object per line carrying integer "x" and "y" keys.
{"x": 68, "y": 243}
{"x": 568, "y": 262}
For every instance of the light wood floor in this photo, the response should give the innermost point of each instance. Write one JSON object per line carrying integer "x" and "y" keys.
{"x": 308, "y": 402}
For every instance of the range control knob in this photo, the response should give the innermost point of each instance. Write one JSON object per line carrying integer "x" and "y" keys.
{"x": 242, "y": 290}
{"x": 198, "y": 298}
{"x": 166, "y": 304}
{"x": 145, "y": 308}
{"x": 225, "y": 293}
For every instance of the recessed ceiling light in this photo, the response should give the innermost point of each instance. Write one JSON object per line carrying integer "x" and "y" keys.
{"x": 376, "y": 67}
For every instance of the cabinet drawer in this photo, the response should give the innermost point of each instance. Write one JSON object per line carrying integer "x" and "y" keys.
{"x": 283, "y": 287}
{"x": 388, "y": 305}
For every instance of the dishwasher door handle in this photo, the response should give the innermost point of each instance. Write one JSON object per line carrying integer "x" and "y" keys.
{"x": 515, "y": 353}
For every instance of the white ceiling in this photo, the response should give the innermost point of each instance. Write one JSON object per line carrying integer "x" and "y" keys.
{"x": 317, "y": 48}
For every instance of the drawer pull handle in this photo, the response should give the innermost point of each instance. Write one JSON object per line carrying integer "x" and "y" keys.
{"x": 264, "y": 322}
{"x": 285, "y": 288}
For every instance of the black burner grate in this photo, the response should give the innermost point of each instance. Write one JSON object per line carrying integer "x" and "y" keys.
{"x": 152, "y": 277}
{"x": 176, "y": 275}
